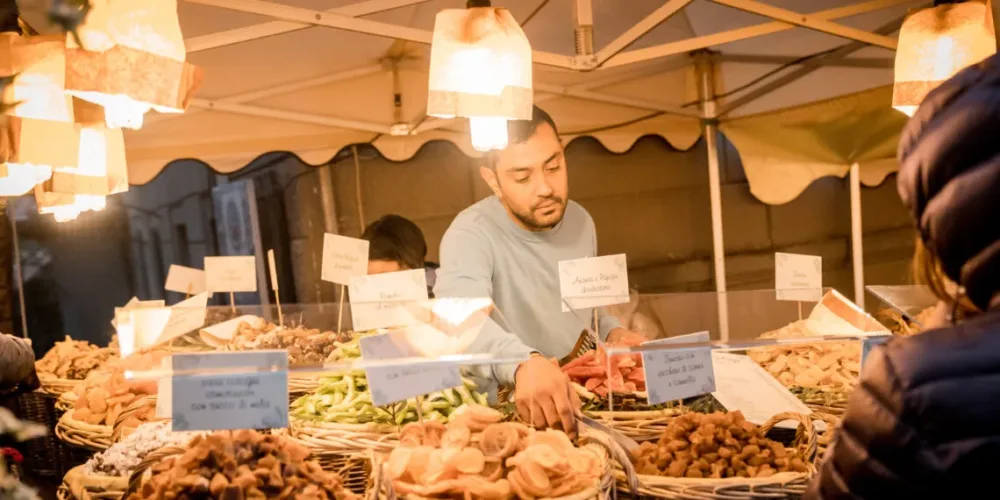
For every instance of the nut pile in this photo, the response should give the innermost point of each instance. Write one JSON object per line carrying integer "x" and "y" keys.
{"x": 825, "y": 366}
{"x": 305, "y": 346}
{"x": 102, "y": 397}
{"x": 124, "y": 456}
{"x": 478, "y": 456}
{"x": 717, "y": 445}
{"x": 242, "y": 465}
{"x": 73, "y": 359}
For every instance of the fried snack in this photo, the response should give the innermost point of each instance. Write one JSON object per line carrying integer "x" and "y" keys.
{"x": 900, "y": 325}
{"x": 73, "y": 359}
{"x": 478, "y": 456}
{"x": 717, "y": 445}
{"x": 102, "y": 397}
{"x": 825, "y": 366}
{"x": 241, "y": 465}
{"x": 304, "y": 346}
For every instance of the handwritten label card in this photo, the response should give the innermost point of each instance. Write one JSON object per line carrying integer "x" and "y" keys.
{"x": 741, "y": 384}
{"x": 674, "y": 374}
{"x": 398, "y": 383}
{"x": 185, "y": 316}
{"x": 798, "y": 277}
{"x": 231, "y": 274}
{"x": 249, "y": 400}
{"x": 343, "y": 258}
{"x": 185, "y": 280}
{"x": 593, "y": 282}
{"x": 380, "y": 300}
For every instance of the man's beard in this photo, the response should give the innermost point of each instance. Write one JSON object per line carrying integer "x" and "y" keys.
{"x": 529, "y": 220}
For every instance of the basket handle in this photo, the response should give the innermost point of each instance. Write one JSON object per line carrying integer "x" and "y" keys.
{"x": 617, "y": 454}
{"x": 809, "y": 439}
{"x": 135, "y": 479}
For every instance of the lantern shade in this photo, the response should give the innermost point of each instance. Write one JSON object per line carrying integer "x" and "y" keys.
{"x": 81, "y": 176}
{"x": 131, "y": 60}
{"x": 40, "y": 65}
{"x": 934, "y": 44}
{"x": 480, "y": 66}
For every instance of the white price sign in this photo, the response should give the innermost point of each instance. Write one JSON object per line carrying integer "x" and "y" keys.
{"x": 254, "y": 399}
{"x": 388, "y": 300}
{"x": 231, "y": 274}
{"x": 343, "y": 258}
{"x": 674, "y": 374}
{"x": 185, "y": 280}
{"x": 593, "y": 282}
{"x": 798, "y": 277}
{"x": 741, "y": 384}
{"x": 398, "y": 383}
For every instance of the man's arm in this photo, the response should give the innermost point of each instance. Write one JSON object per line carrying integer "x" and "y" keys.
{"x": 467, "y": 271}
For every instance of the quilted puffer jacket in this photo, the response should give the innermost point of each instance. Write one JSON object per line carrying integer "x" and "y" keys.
{"x": 925, "y": 420}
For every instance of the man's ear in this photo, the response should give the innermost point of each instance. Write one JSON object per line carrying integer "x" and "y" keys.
{"x": 490, "y": 176}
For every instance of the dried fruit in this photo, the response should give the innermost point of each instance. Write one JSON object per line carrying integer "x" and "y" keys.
{"x": 717, "y": 445}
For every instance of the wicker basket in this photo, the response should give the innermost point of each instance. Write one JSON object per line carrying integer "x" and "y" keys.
{"x": 66, "y": 401}
{"x": 44, "y": 456}
{"x": 779, "y": 486}
{"x": 55, "y": 386}
{"x": 83, "y": 435}
{"x": 300, "y": 385}
{"x": 832, "y": 402}
{"x": 119, "y": 430}
{"x": 80, "y": 486}
{"x": 610, "y": 453}
{"x": 344, "y": 439}
{"x": 825, "y": 439}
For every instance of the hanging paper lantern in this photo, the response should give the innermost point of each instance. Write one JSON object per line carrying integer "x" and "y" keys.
{"x": 936, "y": 43}
{"x": 131, "y": 60}
{"x": 82, "y": 176}
{"x": 480, "y": 69}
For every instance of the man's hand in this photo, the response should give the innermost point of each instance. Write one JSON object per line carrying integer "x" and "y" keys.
{"x": 544, "y": 396}
{"x": 625, "y": 337}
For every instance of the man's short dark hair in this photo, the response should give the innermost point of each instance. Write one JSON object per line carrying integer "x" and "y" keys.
{"x": 519, "y": 131}
{"x": 397, "y": 239}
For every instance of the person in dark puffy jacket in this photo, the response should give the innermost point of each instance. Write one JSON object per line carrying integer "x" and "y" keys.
{"x": 925, "y": 420}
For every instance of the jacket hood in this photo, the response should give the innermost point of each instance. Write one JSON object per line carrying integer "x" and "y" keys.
{"x": 949, "y": 177}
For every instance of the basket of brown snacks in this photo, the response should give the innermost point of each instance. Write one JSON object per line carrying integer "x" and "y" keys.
{"x": 97, "y": 404}
{"x": 822, "y": 374}
{"x": 106, "y": 474}
{"x": 723, "y": 456}
{"x": 237, "y": 465}
{"x": 477, "y": 455}
{"x": 305, "y": 346}
{"x": 68, "y": 363}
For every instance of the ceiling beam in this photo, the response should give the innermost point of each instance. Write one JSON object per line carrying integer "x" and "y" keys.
{"x": 716, "y": 39}
{"x": 300, "y": 15}
{"x": 807, "y": 21}
{"x": 261, "y": 30}
{"x": 279, "y": 90}
{"x": 847, "y": 62}
{"x": 637, "y": 31}
{"x": 807, "y": 67}
{"x": 327, "y": 121}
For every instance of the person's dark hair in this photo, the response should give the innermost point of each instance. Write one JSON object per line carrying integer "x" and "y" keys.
{"x": 519, "y": 131}
{"x": 398, "y": 239}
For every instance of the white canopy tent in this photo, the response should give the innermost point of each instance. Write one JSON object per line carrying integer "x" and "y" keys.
{"x": 313, "y": 76}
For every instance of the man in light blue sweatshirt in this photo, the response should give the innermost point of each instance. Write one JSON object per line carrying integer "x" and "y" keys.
{"x": 508, "y": 247}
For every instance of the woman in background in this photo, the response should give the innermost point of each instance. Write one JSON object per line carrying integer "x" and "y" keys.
{"x": 925, "y": 420}
{"x": 397, "y": 244}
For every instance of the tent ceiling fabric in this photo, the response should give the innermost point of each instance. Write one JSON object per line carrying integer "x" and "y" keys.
{"x": 783, "y": 152}
{"x": 314, "y": 89}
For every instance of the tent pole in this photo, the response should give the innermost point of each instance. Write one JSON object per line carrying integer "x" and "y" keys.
{"x": 857, "y": 251}
{"x": 706, "y": 78}
{"x": 328, "y": 199}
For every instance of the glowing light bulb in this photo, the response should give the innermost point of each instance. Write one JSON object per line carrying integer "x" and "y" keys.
{"x": 488, "y": 133}
{"x": 122, "y": 112}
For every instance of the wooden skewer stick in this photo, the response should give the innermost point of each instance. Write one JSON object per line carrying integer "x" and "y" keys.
{"x": 340, "y": 313}
{"x": 232, "y": 302}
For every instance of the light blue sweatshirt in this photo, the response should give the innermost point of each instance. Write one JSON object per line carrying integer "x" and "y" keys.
{"x": 486, "y": 254}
